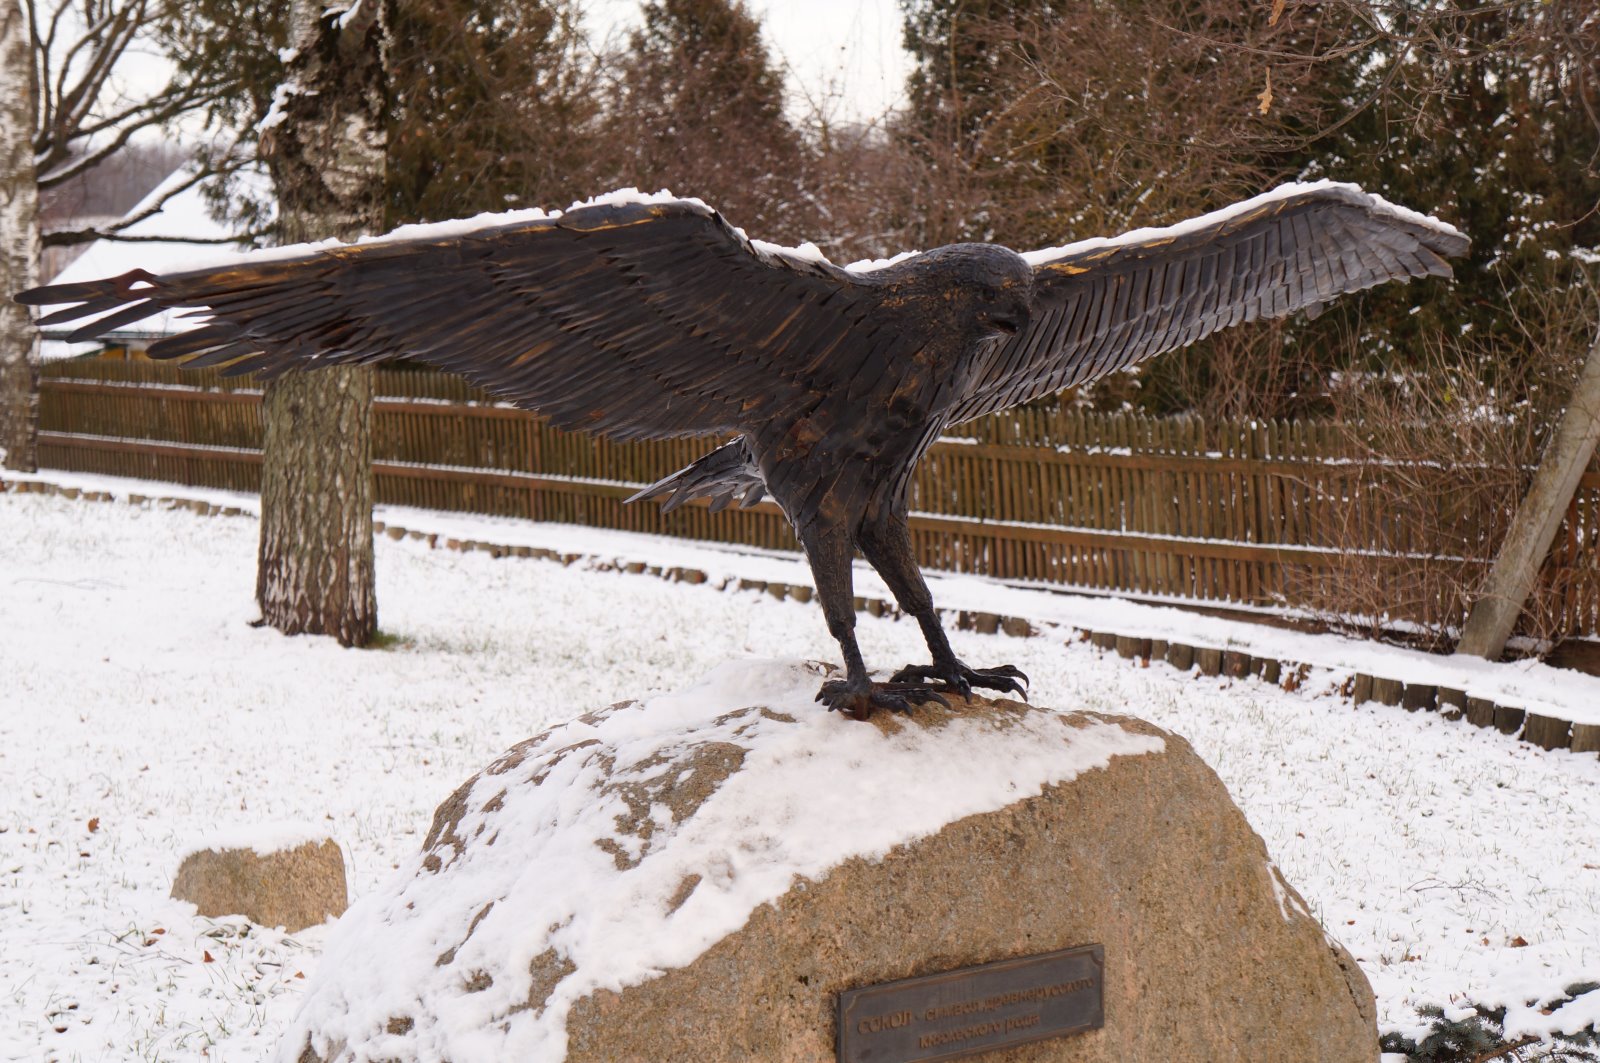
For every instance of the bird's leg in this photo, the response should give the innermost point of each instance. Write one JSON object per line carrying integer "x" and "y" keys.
{"x": 829, "y": 551}
{"x": 886, "y": 542}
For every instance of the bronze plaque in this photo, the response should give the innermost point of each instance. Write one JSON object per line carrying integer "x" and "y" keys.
{"x": 975, "y": 1009}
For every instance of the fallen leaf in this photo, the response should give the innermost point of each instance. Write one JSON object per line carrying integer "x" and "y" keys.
{"x": 159, "y": 930}
{"x": 207, "y": 956}
{"x": 94, "y": 824}
{"x": 1518, "y": 942}
{"x": 299, "y": 974}
{"x": 1265, "y": 96}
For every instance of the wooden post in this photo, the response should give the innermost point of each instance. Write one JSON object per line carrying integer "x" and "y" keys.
{"x": 1534, "y": 527}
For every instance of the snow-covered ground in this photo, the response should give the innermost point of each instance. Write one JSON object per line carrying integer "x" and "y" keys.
{"x": 139, "y": 712}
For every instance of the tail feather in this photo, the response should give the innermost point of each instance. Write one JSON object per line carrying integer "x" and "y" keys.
{"x": 726, "y": 475}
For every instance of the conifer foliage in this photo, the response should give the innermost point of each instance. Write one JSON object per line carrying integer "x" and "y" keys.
{"x": 698, "y": 105}
{"x": 1476, "y": 1034}
{"x": 1040, "y": 122}
{"x": 962, "y": 50}
{"x": 493, "y": 108}
{"x": 491, "y": 104}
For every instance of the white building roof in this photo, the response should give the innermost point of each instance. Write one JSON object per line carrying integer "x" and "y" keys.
{"x": 186, "y": 216}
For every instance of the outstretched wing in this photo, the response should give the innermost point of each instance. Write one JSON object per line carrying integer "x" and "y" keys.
{"x": 645, "y": 318}
{"x": 1105, "y": 304}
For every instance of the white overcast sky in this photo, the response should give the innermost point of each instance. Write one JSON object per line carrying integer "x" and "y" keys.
{"x": 849, "y": 49}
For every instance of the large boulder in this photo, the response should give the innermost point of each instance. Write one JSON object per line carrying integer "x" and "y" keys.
{"x": 700, "y": 876}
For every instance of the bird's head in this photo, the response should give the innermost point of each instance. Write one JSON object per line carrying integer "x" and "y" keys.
{"x": 1007, "y": 304}
{"x": 993, "y": 282}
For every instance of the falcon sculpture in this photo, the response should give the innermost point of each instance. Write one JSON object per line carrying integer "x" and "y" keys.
{"x": 649, "y": 317}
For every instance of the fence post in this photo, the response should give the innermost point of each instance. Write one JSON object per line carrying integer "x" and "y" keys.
{"x": 1533, "y": 529}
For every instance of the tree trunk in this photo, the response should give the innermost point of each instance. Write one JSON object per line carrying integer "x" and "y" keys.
{"x": 19, "y": 244}
{"x": 326, "y": 155}
{"x": 1538, "y": 518}
{"x": 315, "y": 565}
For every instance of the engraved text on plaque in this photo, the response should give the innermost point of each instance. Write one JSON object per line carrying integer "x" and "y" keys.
{"x": 974, "y": 1009}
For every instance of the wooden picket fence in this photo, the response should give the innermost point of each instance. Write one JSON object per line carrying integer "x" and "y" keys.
{"x": 1240, "y": 513}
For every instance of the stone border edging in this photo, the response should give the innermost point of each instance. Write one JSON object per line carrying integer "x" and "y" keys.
{"x": 1547, "y": 732}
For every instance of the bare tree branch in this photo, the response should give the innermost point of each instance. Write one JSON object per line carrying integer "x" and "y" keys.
{"x": 194, "y": 95}
{"x": 75, "y": 74}
{"x": 67, "y": 238}
{"x": 73, "y": 109}
{"x": 95, "y": 38}
{"x": 171, "y": 109}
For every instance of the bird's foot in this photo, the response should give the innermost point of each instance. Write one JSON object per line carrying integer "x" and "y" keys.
{"x": 960, "y": 679}
{"x": 857, "y": 700}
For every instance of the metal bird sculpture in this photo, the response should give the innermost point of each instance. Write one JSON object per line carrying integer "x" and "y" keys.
{"x": 648, "y": 317}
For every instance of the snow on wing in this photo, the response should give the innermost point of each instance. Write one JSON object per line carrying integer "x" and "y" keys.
{"x": 634, "y": 320}
{"x": 1105, "y": 304}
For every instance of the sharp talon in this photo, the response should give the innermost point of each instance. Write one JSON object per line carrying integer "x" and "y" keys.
{"x": 858, "y": 702}
{"x": 960, "y": 679}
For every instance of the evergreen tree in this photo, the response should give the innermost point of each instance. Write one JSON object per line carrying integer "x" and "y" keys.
{"x": 1492, "y": 118}
{"x": 960, "y": 50}
{"x": 1091, "y": 118}
{"x": 698, "y": 107}
{"x": 491, "y": 104}
{"x": 493, "y": 108}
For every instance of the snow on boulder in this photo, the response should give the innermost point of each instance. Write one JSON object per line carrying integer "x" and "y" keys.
{"x": 280, "y": 874}
{"x": 698, "y": 877}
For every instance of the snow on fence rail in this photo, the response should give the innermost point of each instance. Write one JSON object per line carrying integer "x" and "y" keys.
{"x": 1239, "y": 512}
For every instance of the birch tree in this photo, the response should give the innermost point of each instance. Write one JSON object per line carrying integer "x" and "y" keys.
{"x": 19, "y": 242}
{"x": 324, "y": 144}
{"x": 64, "y": 111}
{"x": 370, "y": 115}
